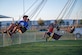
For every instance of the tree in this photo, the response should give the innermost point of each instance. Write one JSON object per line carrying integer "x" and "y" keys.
{"x": 40, "y": 22}
{"x": 0, "y": 25}
{"x": 61, "y": 22}
{"x": 81, "y": 22}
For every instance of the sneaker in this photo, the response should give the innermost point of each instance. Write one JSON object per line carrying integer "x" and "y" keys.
{"x": 4, "y": 31}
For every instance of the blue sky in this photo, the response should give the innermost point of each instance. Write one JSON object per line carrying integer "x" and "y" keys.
{"x": 14, "y": 8}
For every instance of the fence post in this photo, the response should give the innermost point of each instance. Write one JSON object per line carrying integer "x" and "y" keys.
{"x": 3, "y": 35}
{"x": 34, "y": 36}
{"x": 19, "y": 39}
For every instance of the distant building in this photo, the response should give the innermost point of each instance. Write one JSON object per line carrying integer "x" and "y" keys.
{"x": 46, "y": 23}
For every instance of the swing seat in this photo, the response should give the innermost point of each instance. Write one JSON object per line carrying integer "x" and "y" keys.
{"x": 56, "y": 36}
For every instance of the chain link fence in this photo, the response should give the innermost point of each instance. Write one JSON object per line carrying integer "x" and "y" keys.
{"x": 27, "y": 37}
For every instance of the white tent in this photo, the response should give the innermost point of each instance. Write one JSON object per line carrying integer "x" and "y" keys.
{"x": 2, "y": 16}
{"x": 5, "y": 18}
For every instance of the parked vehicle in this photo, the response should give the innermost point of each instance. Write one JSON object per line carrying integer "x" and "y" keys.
{"x": 78, "y": 32}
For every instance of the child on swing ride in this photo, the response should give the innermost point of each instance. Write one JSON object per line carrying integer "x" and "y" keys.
{"x": 21, "y": 26}
{"x": 53, "y": 27}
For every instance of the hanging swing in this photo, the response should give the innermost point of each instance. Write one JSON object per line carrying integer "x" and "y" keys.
{"x": 35, "y": 11}
{"x": 62, "y": 14}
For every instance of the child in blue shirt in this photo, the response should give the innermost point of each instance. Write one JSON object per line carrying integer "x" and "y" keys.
{"x": 21, "y": 26}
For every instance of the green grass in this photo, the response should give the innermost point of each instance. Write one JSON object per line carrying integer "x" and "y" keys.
{"x": 60, "y": 47}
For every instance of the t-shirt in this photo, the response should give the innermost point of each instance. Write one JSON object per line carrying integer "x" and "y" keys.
{"x": 51, "y": 28}
{"x": 24, "y": 23}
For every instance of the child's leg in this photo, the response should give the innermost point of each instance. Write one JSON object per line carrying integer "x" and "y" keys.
{"x": 10, "y": 28}
{"x": 66, "y": 29}
{"x": 44, "y": 36}
{"x": 47, "y": 34}
{"x": 15, "y": 29}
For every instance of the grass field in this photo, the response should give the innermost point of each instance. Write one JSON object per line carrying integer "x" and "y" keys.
{"x": 60, "y": 47}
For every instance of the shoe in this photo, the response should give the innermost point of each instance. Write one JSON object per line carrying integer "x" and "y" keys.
{"x": 4, "y": 31}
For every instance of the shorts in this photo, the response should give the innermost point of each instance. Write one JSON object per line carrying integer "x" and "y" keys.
{"x": 23, "y": 29}
{"x": 72, "y": 30}
{"x": 48, "y": 33}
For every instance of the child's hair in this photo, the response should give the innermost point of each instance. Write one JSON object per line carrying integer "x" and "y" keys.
{"x": 25, "y": 16}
